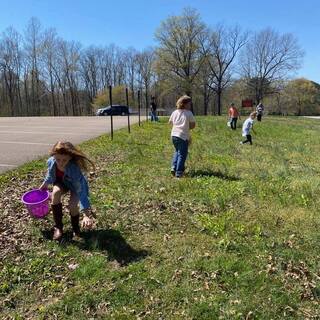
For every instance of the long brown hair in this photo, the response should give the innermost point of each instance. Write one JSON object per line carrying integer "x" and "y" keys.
{"x": 75, "y": 153}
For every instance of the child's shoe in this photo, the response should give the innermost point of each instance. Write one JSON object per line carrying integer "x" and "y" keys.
{"x": 57, "y": 234}
{"x": 179, "y": 176}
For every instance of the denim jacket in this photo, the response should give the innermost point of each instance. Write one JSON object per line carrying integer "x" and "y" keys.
{"x": 73, "y": 179}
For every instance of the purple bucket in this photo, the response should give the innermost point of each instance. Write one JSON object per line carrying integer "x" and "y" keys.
{"x": 37, "y": 202}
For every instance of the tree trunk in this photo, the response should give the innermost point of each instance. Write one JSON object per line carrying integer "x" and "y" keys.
{"x": 59, "y": 103}
{"x": 53, "y": 100}
{"x": 66, "y": 111}
{"x": 219, "y": 105}
{"x": 205, "y": 100}
{"x": 20, "y": 99}
{"x": 26, "y": 93}
{"x": 147, "y": 99}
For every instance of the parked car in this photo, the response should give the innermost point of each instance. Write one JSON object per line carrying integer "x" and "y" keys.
{"x": 115, "y": 110}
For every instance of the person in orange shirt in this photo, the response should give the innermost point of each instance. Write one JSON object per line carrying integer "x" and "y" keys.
{"x": 233, "y": 115}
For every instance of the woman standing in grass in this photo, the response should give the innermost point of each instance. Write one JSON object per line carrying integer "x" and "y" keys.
{"x": 182, "y": 121}
{"x": 65, "y": 173}
{"x": 247, "y": 127}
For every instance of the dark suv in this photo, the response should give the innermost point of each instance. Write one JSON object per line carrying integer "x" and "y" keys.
{"x": 115, "y": 110}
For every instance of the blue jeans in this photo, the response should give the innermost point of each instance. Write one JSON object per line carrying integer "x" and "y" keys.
{"x": 180, "y": 155}
{"x": 154, "y": 116}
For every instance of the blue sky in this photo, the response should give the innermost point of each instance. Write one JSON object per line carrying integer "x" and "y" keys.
{"x": 132, "y": 23}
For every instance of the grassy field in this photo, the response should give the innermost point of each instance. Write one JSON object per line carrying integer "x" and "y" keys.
{"x": 237, "y": 238}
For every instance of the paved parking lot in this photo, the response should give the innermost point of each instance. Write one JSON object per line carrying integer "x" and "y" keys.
{"x": 27, "y": 138}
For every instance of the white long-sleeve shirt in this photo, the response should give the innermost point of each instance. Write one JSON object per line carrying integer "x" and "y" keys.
{"x": 246, "y": 127}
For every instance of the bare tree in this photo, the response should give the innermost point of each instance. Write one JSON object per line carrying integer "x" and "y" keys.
{"x": 145, "y": 61}
{"x": 118, "y": 66}
{"x": 107, "y": 63}
{"x": 33, "y": 47}
{"x": 204, "y": 86}
{"x": 269, "y": 57}
{"x": 10, "y": 67}
{"x": 70, "y": 58}
{"x": 89, "y": 70}
{"x": 131, "y": 56}
{"x": 221, "y": 47}
{"x": 49, "y": 60}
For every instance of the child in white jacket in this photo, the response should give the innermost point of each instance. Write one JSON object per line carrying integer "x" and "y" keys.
{"x": 247, "y": 127}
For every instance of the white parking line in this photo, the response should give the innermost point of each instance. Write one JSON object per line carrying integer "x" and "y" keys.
{"x": 52, "y": 127}
{"x": 47, "y": 133}
{"x": 6, "y": 165}
{"x": 34, "y": 126}
{"x": 21, "y": 142}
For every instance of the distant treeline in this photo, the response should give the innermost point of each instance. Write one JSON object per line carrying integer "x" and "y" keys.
{"x": 43, "y": 74}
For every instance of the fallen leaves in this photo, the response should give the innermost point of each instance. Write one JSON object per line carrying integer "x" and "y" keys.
{"x": 15, "y": 236}
{"x": 73, "y": 266}
{"x": 177, "y": 275}
{"x": 249, "y": 315}
{"x": 295, "y": 275}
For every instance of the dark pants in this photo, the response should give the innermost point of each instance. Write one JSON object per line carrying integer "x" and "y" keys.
{"x": 154, "y": 116}
{"x": 233, "y": 123}
{"x": 259, "y": 117}
{"x": 249, "y": 139}
{"x": 180, "y": 155}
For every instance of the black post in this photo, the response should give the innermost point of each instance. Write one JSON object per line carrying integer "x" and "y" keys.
{"x": 147, "y": 107}
{"x": 127, "y": 99}
{"x": 111, "y": 116}
{"x": 139, "y": 106}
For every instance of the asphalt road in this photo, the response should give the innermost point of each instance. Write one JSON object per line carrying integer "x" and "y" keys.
{"x": 27, "y": 138}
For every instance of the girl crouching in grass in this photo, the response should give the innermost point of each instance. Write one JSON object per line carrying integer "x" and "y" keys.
{"x": 182, "y": 121}
{"x": 65, "y": 172}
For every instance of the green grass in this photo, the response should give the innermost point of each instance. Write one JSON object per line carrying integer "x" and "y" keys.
{"x": 237, "y": 238}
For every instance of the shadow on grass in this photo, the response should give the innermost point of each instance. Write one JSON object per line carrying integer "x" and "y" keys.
{"x": 211, "y": 173}
{"x": 109, "y": 241}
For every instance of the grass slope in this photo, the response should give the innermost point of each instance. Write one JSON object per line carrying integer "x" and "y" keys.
{"x": 236, "y": 239}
